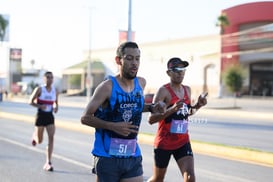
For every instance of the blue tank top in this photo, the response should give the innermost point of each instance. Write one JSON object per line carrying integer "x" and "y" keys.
{"x": 122, "y": 106}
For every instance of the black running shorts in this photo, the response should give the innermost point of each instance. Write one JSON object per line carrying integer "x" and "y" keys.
{"x": 162, "y": 157}
{"x": 44, "y": 119}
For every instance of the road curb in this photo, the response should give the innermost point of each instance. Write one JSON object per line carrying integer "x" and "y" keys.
{"x": 216, "y": 150}
{"x": 234, "y": 153}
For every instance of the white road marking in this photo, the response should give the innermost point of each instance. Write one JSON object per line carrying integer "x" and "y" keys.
{"x": 42, "y": 151}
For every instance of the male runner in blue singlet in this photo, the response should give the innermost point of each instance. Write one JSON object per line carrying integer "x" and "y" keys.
{"x": 115, "y": 110}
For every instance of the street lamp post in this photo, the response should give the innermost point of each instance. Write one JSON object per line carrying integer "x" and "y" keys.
{"x": 89, "y": 75}
{"x": 129, "y": 31}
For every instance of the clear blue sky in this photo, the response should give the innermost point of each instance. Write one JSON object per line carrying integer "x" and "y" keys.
{"x": 55, "y": 32}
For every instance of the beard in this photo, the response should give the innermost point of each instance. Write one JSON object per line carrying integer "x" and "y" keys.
{"x": 128, "y": 76}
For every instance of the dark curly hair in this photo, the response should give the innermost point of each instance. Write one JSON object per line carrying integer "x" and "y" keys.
{"x": 120, "y": 50}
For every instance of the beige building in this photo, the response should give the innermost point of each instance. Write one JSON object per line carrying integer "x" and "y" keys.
{"x": 245, "y": 42}
{"x": 203, "y": 54}
{"x": 74, "y": 78}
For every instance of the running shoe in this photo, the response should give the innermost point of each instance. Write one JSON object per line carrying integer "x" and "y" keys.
{"x": 33, "y": 143}
{"x": 48, "y": 167}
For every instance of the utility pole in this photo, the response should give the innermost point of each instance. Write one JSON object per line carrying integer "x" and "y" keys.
{"x": 129, "y": 32}
{"x": 89, "y": 81}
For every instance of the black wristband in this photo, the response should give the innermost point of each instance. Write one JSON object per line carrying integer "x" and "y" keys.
{"x": 150, "y": 108}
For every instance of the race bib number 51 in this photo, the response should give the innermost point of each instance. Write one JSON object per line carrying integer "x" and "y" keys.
{"x": 122, "y": 147}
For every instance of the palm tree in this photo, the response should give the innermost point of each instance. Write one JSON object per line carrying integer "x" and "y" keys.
{"x": 222, "y": 22}
{"x": 3, "y": 25}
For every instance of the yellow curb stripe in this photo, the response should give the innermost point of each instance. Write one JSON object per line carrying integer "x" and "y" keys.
{"x": 227, "y": 152}
{"x": 233, "y": 153}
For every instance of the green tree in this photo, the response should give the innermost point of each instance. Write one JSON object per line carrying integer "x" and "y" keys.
{"x": 233, "y": 78}
{"x": 75, "y": 80}
{"x": 222, "y": 22}
{"x": 3, "y": 25}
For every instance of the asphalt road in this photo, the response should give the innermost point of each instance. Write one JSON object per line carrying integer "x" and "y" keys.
{"x": 213, "y": 126}
{"x": 19, "y": 161}
{"x": 247, "y": 127}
